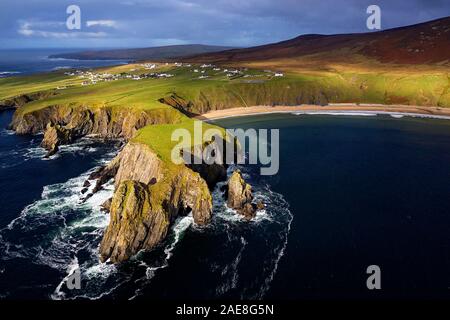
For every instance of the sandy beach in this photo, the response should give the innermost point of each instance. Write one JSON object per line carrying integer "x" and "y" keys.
{"x": 370, "y": 108}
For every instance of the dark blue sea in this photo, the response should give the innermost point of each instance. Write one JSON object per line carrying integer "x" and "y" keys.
{"x": 352, "y": 191}
{"x": 15, "y": 62}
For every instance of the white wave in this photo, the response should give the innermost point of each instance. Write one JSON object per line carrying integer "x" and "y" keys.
{"x": 77, "y": 226}
{"x": 6, "y": 132}
{"x": 275, "y": 217}
{"x": 335, "y": 113}
{"x": 34, "y": 153}
{"x": 223, "y": 212}
{"x": 9, "y": 72}
{"x": 279, "y": 251}
{"x": 71, "y": 225}
{"x": 62, "y": 68}
{"x": 71, "y": 268}
{"x": 178, "y": 230}
{"x": 416, "y": 115}
{"x": 231, "y": 282}
{"x": 25, "y": 152}
{"x": 371, "y": 113}
{"x": 180, "y": 226}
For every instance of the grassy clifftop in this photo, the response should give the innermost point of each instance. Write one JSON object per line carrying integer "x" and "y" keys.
{"x": 216, "y": 90}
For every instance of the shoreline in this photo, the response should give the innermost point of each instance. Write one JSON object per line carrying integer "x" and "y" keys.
{"x": 347, "y": 108}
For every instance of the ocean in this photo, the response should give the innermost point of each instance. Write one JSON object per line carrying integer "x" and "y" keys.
{"x": 15, "y": 62}
{"x": 352, "y": 191}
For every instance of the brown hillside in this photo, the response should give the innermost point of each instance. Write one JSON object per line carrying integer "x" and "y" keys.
{"x": 425, "y": 43}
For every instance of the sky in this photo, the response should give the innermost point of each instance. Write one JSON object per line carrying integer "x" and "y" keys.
{"x": 241, "y": 23}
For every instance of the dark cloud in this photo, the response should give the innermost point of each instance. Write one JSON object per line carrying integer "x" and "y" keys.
{"x": 132, "y": 23}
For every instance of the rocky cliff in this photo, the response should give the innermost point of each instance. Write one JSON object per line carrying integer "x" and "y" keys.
{"x": 21, "y": 100}
{"x": 239, "y": 95}
{"x": 150, "y": 193}
{"x": 79, "y": 121}
{"x": 54, "y": 136}
{"x": 149, "y": 196}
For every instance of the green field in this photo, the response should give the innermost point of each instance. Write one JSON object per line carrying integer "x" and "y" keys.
{"x": 219, "y": 92}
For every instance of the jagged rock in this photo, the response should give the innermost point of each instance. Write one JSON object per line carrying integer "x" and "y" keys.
{"x": 260, "y": 205}
{"x": 54, "y": 136}
{"x": 147, "y": 200}
{"x": 106, "y": 206}
{"x": 214, "y": 172}
{"x": 131, "y": 221}
{"x": 239, "y": 196}
{"x": 248, "y": 211}
{"x": 239, "y": 192}
{"x": 210, "y": 173}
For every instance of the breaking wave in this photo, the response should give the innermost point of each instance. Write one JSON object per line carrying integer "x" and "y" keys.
{"x": 245, "y": 238}
{"x": 30, "y": 150}
{"x": 62, "y": 231}
{"x": 4, "y": 74}
{"x": 371, "y": 114}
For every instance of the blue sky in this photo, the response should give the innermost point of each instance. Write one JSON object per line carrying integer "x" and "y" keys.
{"x": 144, "y": 23}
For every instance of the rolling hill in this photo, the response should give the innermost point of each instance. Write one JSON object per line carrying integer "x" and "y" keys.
{"x": 424, "y": 43}
{"x": 152, "y": 53}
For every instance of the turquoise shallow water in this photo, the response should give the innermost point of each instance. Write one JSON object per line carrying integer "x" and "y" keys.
{"x": 352, "y": 191}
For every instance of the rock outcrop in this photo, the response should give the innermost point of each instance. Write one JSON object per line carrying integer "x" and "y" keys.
{"x": 240, "y": 197}
{"x": 149, "y": 196}
{"x": 54, "y": 136}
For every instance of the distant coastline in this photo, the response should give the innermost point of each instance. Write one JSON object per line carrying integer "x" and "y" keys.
{"x": 23, "y": 62}
{"x": 151, "y": 53}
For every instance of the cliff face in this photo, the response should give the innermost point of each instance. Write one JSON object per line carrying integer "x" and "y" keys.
{"x": 103, "y": 121}
{"x": 148, "y": 198}
{"x": 21, "y": 100}
{"x": 253, "y": 94}
{"x": 63, "y": 124}
{"x": 54, "y": 136}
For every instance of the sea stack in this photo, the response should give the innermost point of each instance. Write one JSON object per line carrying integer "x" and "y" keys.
{"x": 240, "y": 197}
